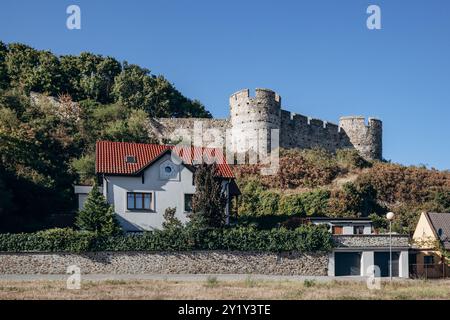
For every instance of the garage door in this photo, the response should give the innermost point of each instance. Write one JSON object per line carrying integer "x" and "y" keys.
{"x": 347, "y": 263}
{"x": 381, "y": 260}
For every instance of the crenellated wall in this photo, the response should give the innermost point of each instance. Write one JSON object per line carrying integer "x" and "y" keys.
{"x": 253, "y": 117}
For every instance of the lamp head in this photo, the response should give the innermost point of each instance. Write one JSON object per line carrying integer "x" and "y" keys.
{"x": 390, "y": 216}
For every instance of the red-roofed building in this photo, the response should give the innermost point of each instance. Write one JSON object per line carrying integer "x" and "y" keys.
{"x": 142, "y": 180}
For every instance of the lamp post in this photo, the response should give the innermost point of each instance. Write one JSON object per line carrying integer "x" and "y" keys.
{"x": 390, "y": 217}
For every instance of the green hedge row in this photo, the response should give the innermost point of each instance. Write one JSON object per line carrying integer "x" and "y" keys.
{"x": 303, "y": 239}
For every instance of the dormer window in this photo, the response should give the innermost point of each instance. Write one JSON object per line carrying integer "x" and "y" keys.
{"x": 130, "y": 159}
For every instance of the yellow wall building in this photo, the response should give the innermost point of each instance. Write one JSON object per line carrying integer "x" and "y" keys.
{"x": 431, "y": 241}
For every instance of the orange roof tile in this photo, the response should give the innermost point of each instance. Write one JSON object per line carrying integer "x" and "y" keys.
{"x": 111, "y": 157}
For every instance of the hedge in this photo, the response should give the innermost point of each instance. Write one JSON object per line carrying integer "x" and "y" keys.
{"x": 303, "y": 239}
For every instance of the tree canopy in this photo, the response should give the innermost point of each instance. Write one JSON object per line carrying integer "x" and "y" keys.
{"x": 52, "y": 111}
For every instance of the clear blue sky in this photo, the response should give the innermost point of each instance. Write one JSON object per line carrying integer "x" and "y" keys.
{"x": 318, "y": 55}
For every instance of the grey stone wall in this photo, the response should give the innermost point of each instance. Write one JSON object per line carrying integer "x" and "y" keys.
{"x": 249, "y": 114}
{"x": 198, "y": 262}
{"x": 367, "y": 139}
{"x": 370, "y": 241}
{"x": 166, "y": 128}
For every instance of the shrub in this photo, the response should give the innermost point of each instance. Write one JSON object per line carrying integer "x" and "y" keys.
{"x": 308, "y": 283}
{"x": 291, "y": 205}
{"x": 380, "y": 223}
{"x": 354, "y": 200}
{"x": 170, "y": 221}
{"x": 85, "y": 168}
{"x": 303, "y": 239}
{"x": 315, "y": 203}
{"x": 351, "y": 159}
{"x": 298, "y": 168}
{"x": 211, "y": 282}
{"x": 65, "y": 240}
{"x": 441, "y": 200}
{"x": 249, "y": 199}
{"x": 268, "y": 203}
{"x": 395, "y": 183}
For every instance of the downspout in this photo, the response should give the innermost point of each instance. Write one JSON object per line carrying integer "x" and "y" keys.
{"x": 227, "y": 207}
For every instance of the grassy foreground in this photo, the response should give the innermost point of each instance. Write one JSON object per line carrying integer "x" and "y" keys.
{"x": 213, "y": 289}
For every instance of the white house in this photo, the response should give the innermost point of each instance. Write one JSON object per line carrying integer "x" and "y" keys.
{"x": 142, "y": 180}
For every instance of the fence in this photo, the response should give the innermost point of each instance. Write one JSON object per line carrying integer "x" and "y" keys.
{"x": 429, "y": 271}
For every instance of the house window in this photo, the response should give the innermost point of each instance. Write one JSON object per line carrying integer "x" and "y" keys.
{"x": 130, "y": 159}
{"x": 337, "y": 229}
{"x": 188, "y": 202}
{"x": 139, "y": 201}
{"x": 428, "y": 259}
{"x": 358, "y": 230}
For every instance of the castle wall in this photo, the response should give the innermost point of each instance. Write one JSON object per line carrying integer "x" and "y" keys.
{"x": 253, "y": 117}
{"x": 367, "y": 139}
{"x": 170, "y": 128}
{"x": 298, "y": 131}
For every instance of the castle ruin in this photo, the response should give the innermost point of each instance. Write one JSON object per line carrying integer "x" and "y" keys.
{"x": 263, "y": 112}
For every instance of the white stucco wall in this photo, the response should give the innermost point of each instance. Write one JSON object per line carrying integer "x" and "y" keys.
{"x": 166, "y": 193}
{"x": 367, "y": 263}
{"x": 403, "y": 268}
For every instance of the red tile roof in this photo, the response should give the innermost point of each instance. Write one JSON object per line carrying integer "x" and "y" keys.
{"x": 111, "y": 156}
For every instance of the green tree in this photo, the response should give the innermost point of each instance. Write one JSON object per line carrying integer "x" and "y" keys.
{"x": 315, "y": 203}
{"x": 170, "y": 220}
{"x": 209, "y": 200}
{"x": 250, "y": 197}
{"x": 33, "y": 70}
{"x": 380, "y": 223}
{"x": 4, "y": 81}
{"x": 268, "y": 203}
{"x": 85, "y": 168}
{"x": 291, "y": 205}
{"x": 97, "y": 215}
{"x": 441, "y": 200}
{"x": 135, "y": 87}
{"x": 90, "y": 76}
{"x": 131, "y": 129}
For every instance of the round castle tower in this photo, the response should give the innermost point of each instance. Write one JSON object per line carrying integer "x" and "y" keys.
{"x": 253, "y": 116}
{"x": 367, "y": 139}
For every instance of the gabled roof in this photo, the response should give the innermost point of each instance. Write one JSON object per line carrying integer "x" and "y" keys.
{"x": 110, "y": 157}
{"x": 440, "y": 223}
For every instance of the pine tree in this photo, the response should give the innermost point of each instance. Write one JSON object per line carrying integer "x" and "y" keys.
{"x": 208, "y": 202}
{"x": 97, "y": 215}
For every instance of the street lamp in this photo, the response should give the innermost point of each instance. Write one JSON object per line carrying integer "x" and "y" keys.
{"x": 390, "y": 217}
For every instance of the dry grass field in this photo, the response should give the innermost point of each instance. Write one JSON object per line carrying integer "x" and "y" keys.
{"x": 214, "y": 289}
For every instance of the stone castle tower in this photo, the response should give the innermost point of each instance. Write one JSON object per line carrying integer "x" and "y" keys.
{"x": 251, "y": 115}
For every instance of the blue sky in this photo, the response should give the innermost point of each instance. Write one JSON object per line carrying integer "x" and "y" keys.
{"x": 318, "y": 55}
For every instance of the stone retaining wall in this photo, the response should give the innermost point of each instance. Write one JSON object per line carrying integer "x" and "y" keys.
{"x": 198, "y": 262}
